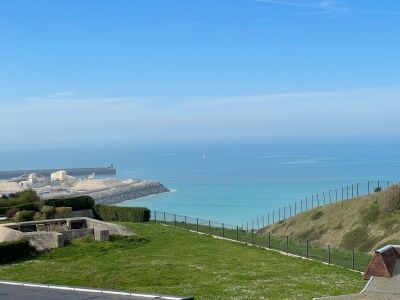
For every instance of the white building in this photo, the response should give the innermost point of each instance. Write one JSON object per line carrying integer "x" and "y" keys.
{"x": 32, "y": 178}
{"x": 59, "y": 176}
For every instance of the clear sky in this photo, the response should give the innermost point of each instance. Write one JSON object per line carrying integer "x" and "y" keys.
{"x": 146, "y": 70}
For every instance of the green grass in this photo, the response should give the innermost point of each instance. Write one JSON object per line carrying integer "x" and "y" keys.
{"x": 174, "y": 261}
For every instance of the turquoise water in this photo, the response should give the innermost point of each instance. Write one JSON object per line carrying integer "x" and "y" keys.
{"x": 230, "y": 183}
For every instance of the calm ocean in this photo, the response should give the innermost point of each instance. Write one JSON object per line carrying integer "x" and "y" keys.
{"x": 230, "y": 183}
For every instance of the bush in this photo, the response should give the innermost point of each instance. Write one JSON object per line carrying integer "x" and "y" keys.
{"x": 64, "y": 212}
{"x": 38, "y": 216}
{"x": 25, "y": 215}
{"x": 28, "y": 196}
{"x": 48, "y": 211}
{"x": 11, "y": 251}
{"x": 77, "y": 203}
{"x": 24, "y": 206}
{"x": 11, "y": 212}
{"x": 377, "y": 189}
{"x": 116, "y": 213}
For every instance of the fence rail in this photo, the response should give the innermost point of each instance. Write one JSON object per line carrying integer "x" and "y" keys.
{"x": 339, "y": 257}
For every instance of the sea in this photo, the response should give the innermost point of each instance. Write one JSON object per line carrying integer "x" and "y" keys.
{"x": 229, "y": 182}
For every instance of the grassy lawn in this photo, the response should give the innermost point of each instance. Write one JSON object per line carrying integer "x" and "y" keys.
{"x": 174, "y": 261}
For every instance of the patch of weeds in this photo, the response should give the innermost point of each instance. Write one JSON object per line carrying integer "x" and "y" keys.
{"x": 316, "y": 215}
{"x": 370, "y": 214}
{"x": 358, "y": 239}
{"x": 312, "y": 234}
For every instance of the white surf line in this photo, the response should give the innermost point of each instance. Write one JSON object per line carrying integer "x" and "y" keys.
{"x": 87, "y": 290}
{"x": 265, "y": 248}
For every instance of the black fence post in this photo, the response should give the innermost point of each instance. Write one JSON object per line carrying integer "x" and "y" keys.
{"x": 347, "y": 192}
{"x": 368, "y": 187}
{"x": 175, "y": 220}
{"x": 352, "y": 260}
{"x": 287, "y": 245}
{"x": 237, "y": 233}
{"x": 155, "y": 216}
{"x": 197, "y": 224}
{"x": 273, "y": 217}
{"x": 269, "y": 240}
{"x": 352, "y": 191}
{"x": 323, "y": 194}
{"x": 209, "y": 227}
{"x": 252, "y": 236}
{"x": 329, "y": 254}
{"x": 307, "y": 248}
{"x": 342, "y": 194}
{"x": 336, "y": 194}
{"x": 223, "y": 230}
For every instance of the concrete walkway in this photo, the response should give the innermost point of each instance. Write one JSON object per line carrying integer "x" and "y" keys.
{"x": 21, "y": 291}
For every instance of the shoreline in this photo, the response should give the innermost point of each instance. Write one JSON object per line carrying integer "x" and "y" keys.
{"x": 150, "y": 196}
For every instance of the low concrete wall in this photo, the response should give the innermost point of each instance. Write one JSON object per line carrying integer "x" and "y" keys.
{"x": 42, "y": 240}
{"x": 112, "y": 228}
{"x": 76, "y": 233}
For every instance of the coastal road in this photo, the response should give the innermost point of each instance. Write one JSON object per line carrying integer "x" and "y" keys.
{"x": 23, "y": 291}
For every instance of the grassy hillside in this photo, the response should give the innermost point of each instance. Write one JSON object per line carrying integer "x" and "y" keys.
{"x": 364, "y": 223}
{"x": 174, "y": 261}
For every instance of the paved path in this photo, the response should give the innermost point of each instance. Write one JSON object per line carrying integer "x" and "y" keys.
{"x": 20, "y": 291}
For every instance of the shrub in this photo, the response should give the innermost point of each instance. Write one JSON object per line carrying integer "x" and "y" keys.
{"x": 11, "y": 212}
{"x": 25, "y": 215}
{"x": 38, "y": 216}
{"x": 48, "y": 211}
{"x": 11, "y": 251}
{"x": 116, "y": 213}
{"x": 64, "y": 212}
{"x": 377, "y": 189}
{"x": 77, "y": 203}
{"x": 28, "y": 196}
{"x": 24, "y": 206}
{"x": 390, "y": 200}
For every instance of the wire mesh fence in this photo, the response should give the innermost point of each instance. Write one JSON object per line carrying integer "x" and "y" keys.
{"x": 339, "y": 257}
{"x": 344, "y": 193}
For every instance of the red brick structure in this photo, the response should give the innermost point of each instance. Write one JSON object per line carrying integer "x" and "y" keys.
{"x": 383, "y": 263}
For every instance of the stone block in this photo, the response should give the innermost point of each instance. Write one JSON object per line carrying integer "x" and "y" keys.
{"x": 101, "y": 234}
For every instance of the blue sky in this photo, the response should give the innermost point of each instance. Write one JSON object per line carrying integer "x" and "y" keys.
{"x": 184, "y": 70}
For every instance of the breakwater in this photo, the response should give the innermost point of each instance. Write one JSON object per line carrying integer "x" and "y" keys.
{"x": 70, "y": 171}
{"x": 128, "y": 192}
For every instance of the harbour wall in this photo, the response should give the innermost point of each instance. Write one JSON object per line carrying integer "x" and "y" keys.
{"x": 70, "y": 171}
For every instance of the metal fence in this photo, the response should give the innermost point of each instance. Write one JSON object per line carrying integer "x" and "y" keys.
{"x": 344, "y": 258}
{"x": 344, "y": 193}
